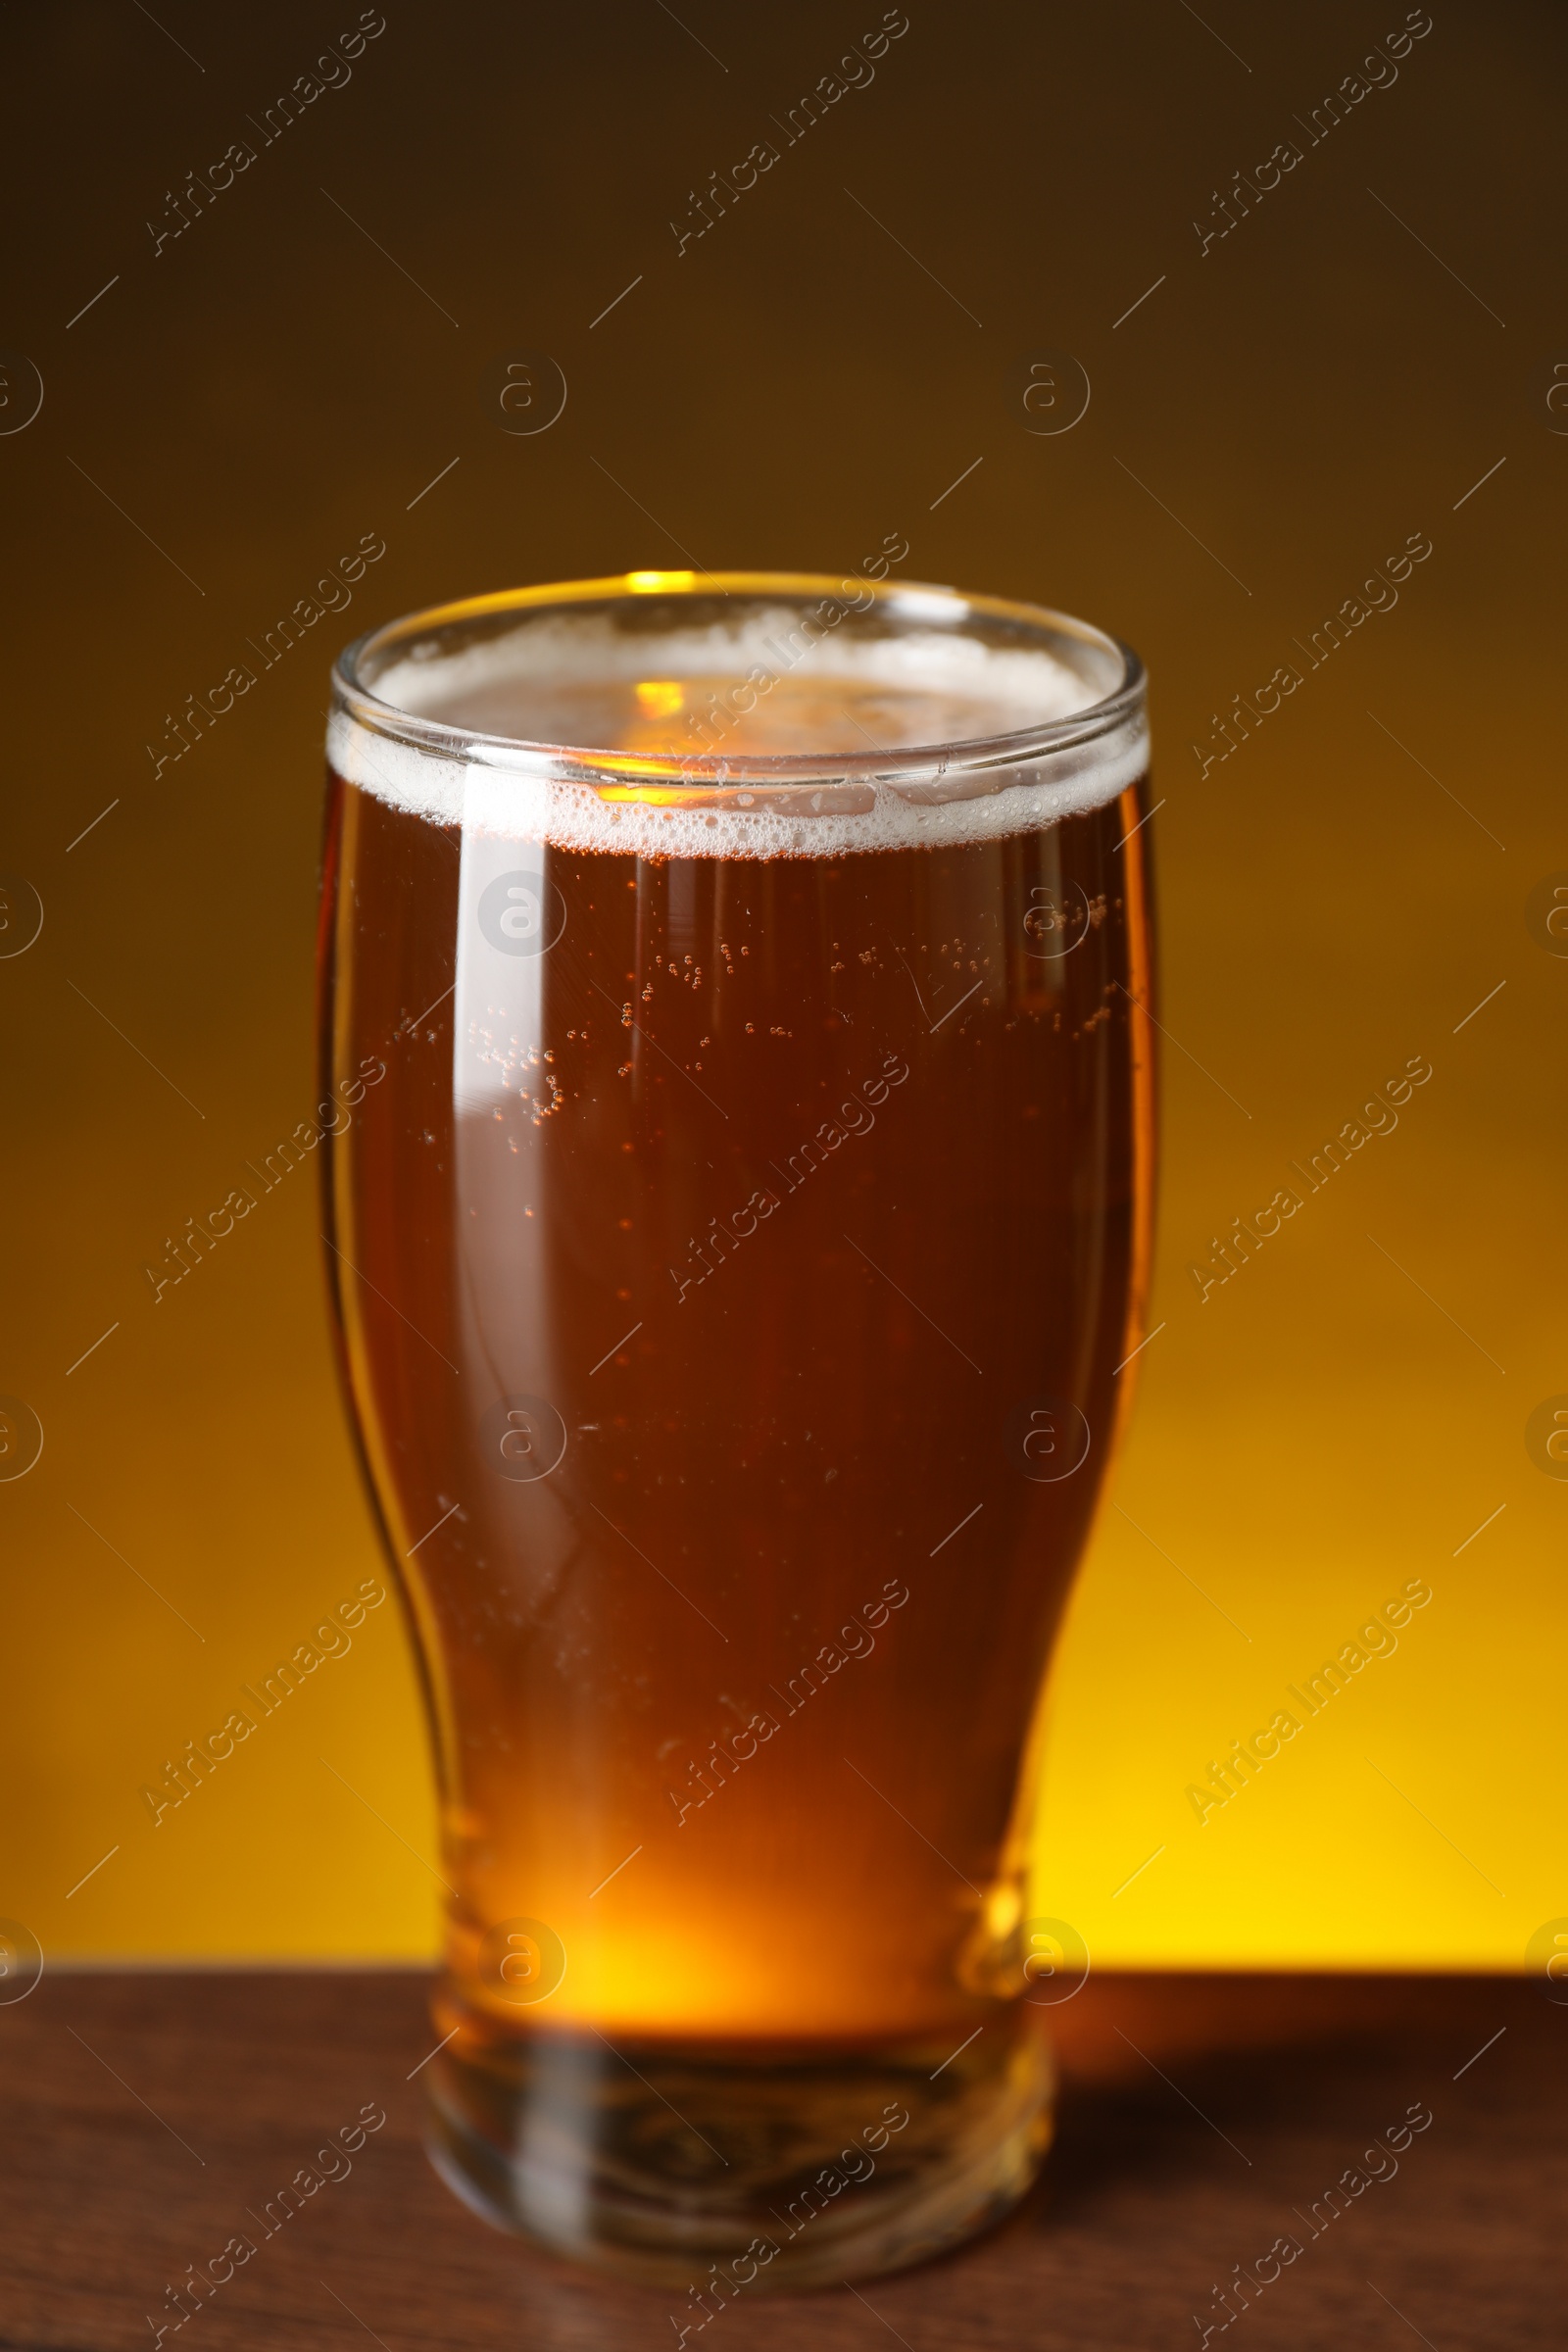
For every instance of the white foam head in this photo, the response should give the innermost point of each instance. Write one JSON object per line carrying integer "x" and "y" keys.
{"x": 779, "y": 728}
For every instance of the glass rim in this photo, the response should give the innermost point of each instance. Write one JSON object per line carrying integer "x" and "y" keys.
{"x": 1122, "y": 705}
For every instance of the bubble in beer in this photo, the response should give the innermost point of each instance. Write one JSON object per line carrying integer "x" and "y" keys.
{"x": 20, "y": 391}
{"x": 20, "y": 1437}
{"x": 522, "y": 1961}
{"x": 1052, "y": 389}
{"x": 21, "y": 1960}
{"x": 1046, "y": 1439}
{"x": 1547, "y": 913}
{"x": 21, "y": 915}
{"x": 523, "y": 1438}
{"x": 1055, "y": 920}
{"x": 521, "y": 913}
{"x": 524, "y": 391}
{"x": 1546, "y": 1437}
{"x": 1054, "y": 1961}
{"x": 1546, "y": 1961}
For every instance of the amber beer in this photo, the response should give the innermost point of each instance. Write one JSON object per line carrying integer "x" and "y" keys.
{"x": 733, "y": 1271}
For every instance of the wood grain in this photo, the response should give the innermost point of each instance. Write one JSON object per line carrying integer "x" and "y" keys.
{"x": 1200, "y": 2119}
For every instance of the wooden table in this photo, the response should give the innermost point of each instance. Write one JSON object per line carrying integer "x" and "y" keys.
{"x": 1203, "y": 2118}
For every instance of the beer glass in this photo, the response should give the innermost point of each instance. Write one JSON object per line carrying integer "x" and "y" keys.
{"x": 734, "y": 988}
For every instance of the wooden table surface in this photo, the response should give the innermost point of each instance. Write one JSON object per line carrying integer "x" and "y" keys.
{"x": 1201, "y": 2120}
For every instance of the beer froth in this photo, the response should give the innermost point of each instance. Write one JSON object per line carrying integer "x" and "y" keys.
{"x": 727, "y": 718}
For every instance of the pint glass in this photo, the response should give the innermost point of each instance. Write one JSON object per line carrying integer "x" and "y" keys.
{"x": 736, "y": 993}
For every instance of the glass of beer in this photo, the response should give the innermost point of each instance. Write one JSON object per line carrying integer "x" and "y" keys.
{"x": 735, "y": 993}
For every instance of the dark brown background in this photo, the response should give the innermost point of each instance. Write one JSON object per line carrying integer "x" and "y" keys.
{"x": 279, "y": 381}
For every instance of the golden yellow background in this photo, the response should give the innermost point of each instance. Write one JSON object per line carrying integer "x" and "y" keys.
{"x": 1285, "y": 408}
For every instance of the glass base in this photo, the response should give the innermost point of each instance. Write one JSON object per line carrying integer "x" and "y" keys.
{"x": 715, "y": 2173}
